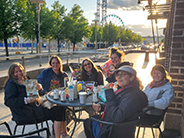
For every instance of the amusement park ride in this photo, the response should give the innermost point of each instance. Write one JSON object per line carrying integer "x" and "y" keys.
{"x": 114, "y": 19}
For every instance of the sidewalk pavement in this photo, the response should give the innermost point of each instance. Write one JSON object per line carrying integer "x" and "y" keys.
{"x": 143, "y": 72}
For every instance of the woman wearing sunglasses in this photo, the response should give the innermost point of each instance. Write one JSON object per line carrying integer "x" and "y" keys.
{"x": 90, "y": 72}
{"x": 124, "y": 103}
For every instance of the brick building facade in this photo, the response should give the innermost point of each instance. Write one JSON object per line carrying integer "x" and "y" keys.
{"x": 174, "y": 63}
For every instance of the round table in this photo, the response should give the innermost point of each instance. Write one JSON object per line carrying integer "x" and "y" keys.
{"x": 75, "y": 103}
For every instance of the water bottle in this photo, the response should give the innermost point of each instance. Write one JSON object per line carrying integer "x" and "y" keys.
{"x": 75, "y": 88}
{"x": 70, "y": 92}
{"x": 95, "y": 94}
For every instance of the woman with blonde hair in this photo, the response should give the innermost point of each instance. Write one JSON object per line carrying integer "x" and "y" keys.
{"x": 23, "y": 108}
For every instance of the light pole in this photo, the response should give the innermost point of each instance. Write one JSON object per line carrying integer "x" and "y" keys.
{"x": 38, "y": 48}
{"x": 120, "y": 29}
{"x": 95, "y": 20}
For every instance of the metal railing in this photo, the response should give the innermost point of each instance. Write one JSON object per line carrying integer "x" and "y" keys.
{"x": 67, "y": 55}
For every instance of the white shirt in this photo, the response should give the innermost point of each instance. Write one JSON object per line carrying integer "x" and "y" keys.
{"x": 161, "y": 97}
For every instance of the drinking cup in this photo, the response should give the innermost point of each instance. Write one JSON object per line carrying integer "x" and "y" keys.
{"x": 30, "y": 94}
{"x": 82, "y": 97}
{"x": 56, "y": 94}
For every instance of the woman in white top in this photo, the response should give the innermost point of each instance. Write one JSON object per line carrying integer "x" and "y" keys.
{"x": 160, "y": 92}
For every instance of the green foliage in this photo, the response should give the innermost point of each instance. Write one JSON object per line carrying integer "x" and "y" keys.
{"x": 29, "y": 28}
{"x": 98, "y": 32}
{"x": 11, "y": 12}
{"x": 76, "y": 25}
{"x": 162, "y": 40}
{"x": 19, "y": 17}
{"x": 11, "y": 17}
{"x": 110, "y": 33}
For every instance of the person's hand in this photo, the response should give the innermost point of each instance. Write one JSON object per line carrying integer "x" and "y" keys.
{"x": 97, "y": 107}
{"x": 32, "y": 99}
{"x": 39, "y": 86}
{"x": 109, "y": 85}
{"x": 73, "y": 74}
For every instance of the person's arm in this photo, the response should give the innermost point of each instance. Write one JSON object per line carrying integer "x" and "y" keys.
{"x": 41, "y": 79}
{"x": 111, "y": 78}
{"x": 128, "y": 106}
{"x": 100, "y": 78}
{"x": 11, "y": 93}
{"x": 165, "y": 100}
{"x": 11, "y": 99}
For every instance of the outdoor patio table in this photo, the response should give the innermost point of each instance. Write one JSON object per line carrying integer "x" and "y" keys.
{"x": 75, "y": 103}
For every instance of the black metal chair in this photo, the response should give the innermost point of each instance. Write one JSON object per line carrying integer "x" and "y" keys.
{"x": 24, "y": 135}
{"x": 125, "y": 129}
{"x": 151, "y": 118}
{"x": 30, "y": 123}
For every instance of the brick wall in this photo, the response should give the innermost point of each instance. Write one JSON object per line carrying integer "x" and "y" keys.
{"x": 175, "y": 115}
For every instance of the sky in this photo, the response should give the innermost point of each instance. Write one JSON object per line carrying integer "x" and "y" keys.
{"x": 132, "y": 14}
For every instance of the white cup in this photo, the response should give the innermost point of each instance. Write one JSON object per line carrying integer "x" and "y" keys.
{"x": 82, "y": 97}
{"x": 56, "y": 94}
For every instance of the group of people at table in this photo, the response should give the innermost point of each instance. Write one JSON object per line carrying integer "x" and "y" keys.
{"x": 125, "y": 96}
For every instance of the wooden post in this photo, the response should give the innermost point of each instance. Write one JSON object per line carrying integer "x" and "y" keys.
{"x": 146, "y": 56}
{"x": 23, "y": 62}
{"x": 78, "y": 58}
{"x": 67, "y": 59}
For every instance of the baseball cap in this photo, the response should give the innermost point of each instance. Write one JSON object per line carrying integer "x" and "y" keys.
{"x": 127, "y": 69}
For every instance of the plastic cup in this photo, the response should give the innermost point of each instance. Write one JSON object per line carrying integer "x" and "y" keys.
{"x": 30, "y": 94}
{"x": 82, "y": 97}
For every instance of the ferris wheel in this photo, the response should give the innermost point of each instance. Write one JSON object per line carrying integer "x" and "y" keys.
{"x": 114, "y": 19}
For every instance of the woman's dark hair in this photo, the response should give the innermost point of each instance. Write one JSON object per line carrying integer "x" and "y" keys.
{"x": 94, "y": 70}
{"x": 162, "y": 70}
{"x": 119, "y": 53}
{"x": 58, "y": 59}
{"x": 137, "y": 83}
{"x": 12, "y": 70}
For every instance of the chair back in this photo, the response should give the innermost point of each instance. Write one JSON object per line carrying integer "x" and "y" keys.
{"x": 152, "y": 117}
{"x": 118, "y": 130}
{"x": 123, "y": 130}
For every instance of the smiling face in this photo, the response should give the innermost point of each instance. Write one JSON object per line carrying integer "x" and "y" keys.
{"x": 124, "y": 78}
{"x": 55, "y": 65}
{"x": 157, "y": 75}
{"x": 18, "y": 73}
{"x": 115, "y": 60}
{"x": 87, "y": 66}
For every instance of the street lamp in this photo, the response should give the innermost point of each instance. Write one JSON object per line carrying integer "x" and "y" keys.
{"x": 38, "y": 11}
{"x": 95, "y": 20}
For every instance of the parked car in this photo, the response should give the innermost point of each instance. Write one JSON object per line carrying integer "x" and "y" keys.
{"x": 114, "y": 45}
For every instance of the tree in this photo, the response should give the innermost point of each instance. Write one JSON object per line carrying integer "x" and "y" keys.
{"x": 29, "y": 27}
{"x": 79, "y": 25}
{"x": 98, "y": 32}
{"x": 11, "y": 19}
{"x": 110, "y": 33}
{"x": 47, "y": 25}
{"x": 59, "y": 14}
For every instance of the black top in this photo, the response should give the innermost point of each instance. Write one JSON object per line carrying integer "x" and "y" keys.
{"x": 111, "y": 78}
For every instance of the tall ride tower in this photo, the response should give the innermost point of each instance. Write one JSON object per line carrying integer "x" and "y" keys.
{"x": 104, "y": 11}
{"x": 97, "y": 14}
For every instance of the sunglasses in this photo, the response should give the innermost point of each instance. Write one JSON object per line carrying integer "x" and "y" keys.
{"x": 122, "y": 74}
{"x": 87, "y": 64}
